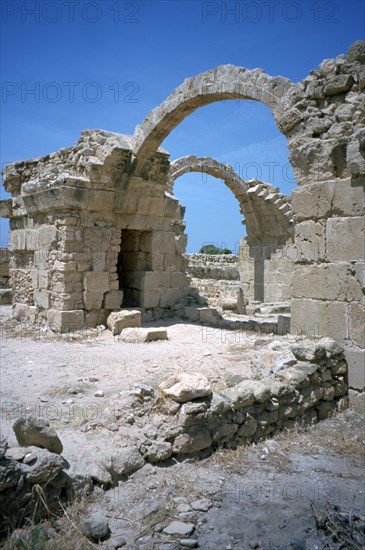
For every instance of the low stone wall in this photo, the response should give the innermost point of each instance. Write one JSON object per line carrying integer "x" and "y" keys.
{"x": 305, "y": 383}
{"x": 213, "y": 266}
{"x": 309, "y": 386}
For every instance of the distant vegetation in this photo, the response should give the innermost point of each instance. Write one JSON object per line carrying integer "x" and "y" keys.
{"x": 212, "y": 249}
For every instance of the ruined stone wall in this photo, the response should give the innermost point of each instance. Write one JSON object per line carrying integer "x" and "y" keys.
{"x": 67, "y": 229}
{"x": 4, "y": 267}
{"x": 213, "y": 266}
{"x": 266, "y": 270}
{"x": 327, "y": 144}
{"x": 197, "y": 418}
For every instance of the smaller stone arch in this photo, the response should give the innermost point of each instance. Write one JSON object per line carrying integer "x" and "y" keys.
{"x": 264, "y": 265}
{"x": 267, "y": 212}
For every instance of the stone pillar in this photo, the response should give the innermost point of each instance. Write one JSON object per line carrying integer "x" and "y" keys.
{"x": 328, "y": 281}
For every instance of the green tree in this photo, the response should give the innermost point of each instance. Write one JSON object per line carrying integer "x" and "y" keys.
{"x": 212, "y": 249}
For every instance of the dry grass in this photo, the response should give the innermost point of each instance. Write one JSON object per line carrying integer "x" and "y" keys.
{"x": 55, "y": 533}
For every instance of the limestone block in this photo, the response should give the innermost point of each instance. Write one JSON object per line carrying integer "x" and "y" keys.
{"x": 64, "y": 266}
{"x": 345, "y": 239}
{"x": 98, "y": 261}
{"x": 101, "y": 201}
{"x": 153, "y": 280}
{"x": 208, "y": 315}
{"x": 154, "y": 334}
{"x": 150, "y": 298}
{"x": 185, "y": 387}
{"x": 157, "y": 263}
{"x": 93, "y": 299}
{"x": 140, "y": 335}
{"x": 47, "y": 235}
{"x": 119, "y": 320}
{"x": 169, "y": 297}
{"x": 151, "y": 206}
{"x": 284, "y": 324}
{"x": 96, "y": 281}
{"x": 318, "y": 318}
{"x": 178, "y": 279}
{"x": 164, "y": 241}
{"x": 192, "y": 442}
{"x": 338, "y": 84}
{"x": 357, "y": 324}
{"x": 290, "y": 118}
{"x": 313, "y": 202}
{"x": 192, "y": 313}
{"x": 309, "y": 241}
{"x": 41, "y": 298}
{"x": 335, "y": 281}
{"x": 173, "y": 262}
{"x": 356, "y": 154}
{"x": 65, "y": 321}
{"x": 6, "y": 208}
{"x": 113, "y": 299}
{"x": 349, "y": 197}
{"x": 355, "y": 358}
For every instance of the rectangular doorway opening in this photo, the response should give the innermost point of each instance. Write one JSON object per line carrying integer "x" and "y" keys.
{"x": 134, "y": 260}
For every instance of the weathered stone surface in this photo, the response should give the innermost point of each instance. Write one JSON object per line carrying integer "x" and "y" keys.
{"x": 113, "y": 299}
{"x": 96, "y": 527}
{"x": 338, "y": 84}
{"x": 248, "y": 428}
{"x": 30, "y": 430}
{"x": 45, "y": 466}
{"x": 126, "y": 461}
{"x": 119, "y": 320}
{"x": 186, "y": 387}
{"x": 179, "y": 528}
{"x": 159, "y": 451}
{"x": 193, "y": 441}
{"x": 241, "y": 395}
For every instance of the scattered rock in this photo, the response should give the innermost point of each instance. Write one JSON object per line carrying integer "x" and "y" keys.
{"x": 44, "y": 465}
{"x": 159, "y": 451}
{"x": 189, "y": 543}
{"x": 95, "y": 527}
{"x": 118, "y": 541}
{"x": 99, "y": 393}
{"x": 186, "y": 387}
{"x": 16, "y": 453}
{"x": 30, "y": 430}
{"x": 179, "y": 528}
{"x": 193, "y": 441}
{"x": 241, "y": 395}
{"x": 183, "y": 508}
{"x": 126, "y": 461}
{"x": 201, "y": 505}
{"x": 119, "y": 320}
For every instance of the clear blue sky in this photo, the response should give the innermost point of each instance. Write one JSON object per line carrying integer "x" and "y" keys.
{"x": 107, "y": 64}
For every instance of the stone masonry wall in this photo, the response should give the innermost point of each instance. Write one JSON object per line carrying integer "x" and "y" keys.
{"x": 266, "y": 270}
{"x": 327, "y": 145}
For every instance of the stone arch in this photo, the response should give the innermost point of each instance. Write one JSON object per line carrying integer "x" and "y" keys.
{"x": 267, "y": 212}
{"x": 224, "y": 82}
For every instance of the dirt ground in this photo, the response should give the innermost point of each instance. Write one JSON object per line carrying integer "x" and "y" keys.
{"x": 303, "y": 489}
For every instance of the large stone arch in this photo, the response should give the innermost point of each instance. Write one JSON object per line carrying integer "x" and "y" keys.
{"x": 267, "y": 212}
{"x": 224, "y": 82}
